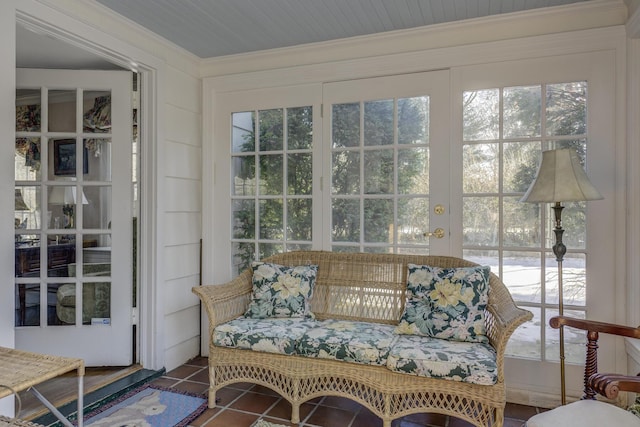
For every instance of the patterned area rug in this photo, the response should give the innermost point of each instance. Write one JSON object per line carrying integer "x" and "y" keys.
{"x": 149, "y": 406}
{"x": 263, "y": 423}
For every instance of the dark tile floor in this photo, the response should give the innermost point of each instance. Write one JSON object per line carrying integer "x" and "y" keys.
{"x": 240, "y": 405}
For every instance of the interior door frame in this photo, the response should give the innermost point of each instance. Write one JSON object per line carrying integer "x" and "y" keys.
{"x": 149, "y": 330}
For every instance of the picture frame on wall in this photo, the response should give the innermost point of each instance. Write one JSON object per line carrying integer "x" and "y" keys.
{"x": 64, "y": 158}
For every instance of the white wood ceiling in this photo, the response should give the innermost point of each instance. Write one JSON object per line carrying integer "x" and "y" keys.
{"x": 210, "y": 28}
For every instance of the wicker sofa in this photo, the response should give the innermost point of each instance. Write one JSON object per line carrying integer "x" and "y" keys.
{"x": 360, "y": 287}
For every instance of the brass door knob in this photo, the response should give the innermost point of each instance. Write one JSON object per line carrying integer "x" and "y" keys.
{"x": 438, "y": 233}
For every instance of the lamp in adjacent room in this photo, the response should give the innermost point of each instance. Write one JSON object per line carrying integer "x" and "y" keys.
{"x": 20, "y": 206}
{"x": 67, "y": 197}
{"x": 560, "y": 178}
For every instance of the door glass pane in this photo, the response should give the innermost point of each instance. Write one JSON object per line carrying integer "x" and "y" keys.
{"x": 378, "y": 122}
{"x": 413, "y": 120}
{"x": 522, "y": 111}
{"x": 299, "y": 174}
{"x": 27, "y": 304}
{"x": 520, "y": 161}
{"x": 413, "y": 170}
{"x": 28, "y": 110}
{"x": 345, "y": 125}
{"x": 27, "y": 259}
{"x": 378, "y": 172}
{"x": 413, "y": 224}
{"x": 299, "y": 219}
{"x": 27, "y": 159}
{"x": 98, "y": 159}
{"x": 96, "y": 111}
{"x": 345, "y": 172}
{"x": 60, "y": 254}
{"x": 96, "y": 249}
{"x": 96, "y": 211}
{"x": 480, "y": 221}
{"x": 62, "y": 110}
{"x": 481, "y": 115}
{"x": 379, "y": 225}
{"x": 271, "y": 168}
{"x": 566, "y": 112}
{"x": 64, "y": 306}
{"x": 65, "y": 155}
{"x": 62, "y": 205}
{"x": 27, "y": 213}
{"x": 243, "y": 132}
{"x": 271, "y": 127}
{"x": 481, "y": 168}
{"x": 96, "y": 301}
{"x": 345, "y": 220}
{"x": 299, "y": 128}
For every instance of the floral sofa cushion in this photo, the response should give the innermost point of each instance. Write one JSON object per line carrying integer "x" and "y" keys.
{"x": 436, "y": 358}
{"x": 447, "y": 303}
{"x": 351, "y": 341}
{"x": 281, "y": 291}
{"x": 266, "y": 335}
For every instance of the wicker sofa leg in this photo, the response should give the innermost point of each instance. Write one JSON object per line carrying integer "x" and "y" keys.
{"x": 499, "y": 419}
{"x": 295, "y": 413}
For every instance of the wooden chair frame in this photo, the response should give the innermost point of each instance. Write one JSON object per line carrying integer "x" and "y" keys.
{"x": 605, "y": 384}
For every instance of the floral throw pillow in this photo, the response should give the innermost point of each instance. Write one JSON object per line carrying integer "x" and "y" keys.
{"x": 281, "y": 291}
{"x": 446, "y": 303}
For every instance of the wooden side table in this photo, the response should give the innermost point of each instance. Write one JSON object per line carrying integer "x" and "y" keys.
{"x": 23, "y": 370}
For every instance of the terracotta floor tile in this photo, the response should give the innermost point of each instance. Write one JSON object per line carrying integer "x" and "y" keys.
{"x": 204, "y": 417}
{"x": 366, "y": 419}
{"x": 329, "y": 417}
{"x": 457, "y": 422}
{"x": 231, "y": 418}
{"x": 182, "y": 372}
{"x": 198, "y": 361}
{"x": 427, "y": 419}
{"x": 227, "y": 395}
{"x": 282, "y": 410}
{"x": 165, "y": 382}
{"x": 342, "y": 403}
{"x": 202, "y": 376}
{"x": 254, "y": 402}
{"x": 519, "y": 412}
{"x": 192, "y": 387}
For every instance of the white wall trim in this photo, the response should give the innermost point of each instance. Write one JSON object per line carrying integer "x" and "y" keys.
{"x": 425, "y": 60}
{"x": 550, "y": 20}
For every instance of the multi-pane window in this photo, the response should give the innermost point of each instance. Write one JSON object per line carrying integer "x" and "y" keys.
{"x": 504, "y": 132}
{"x": 380, "y": 175}
{"x": 271, "y": 194}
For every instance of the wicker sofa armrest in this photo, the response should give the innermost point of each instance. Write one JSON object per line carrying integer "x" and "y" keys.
{"x": 226, "y": 301}
{"x": 502, "y": 320}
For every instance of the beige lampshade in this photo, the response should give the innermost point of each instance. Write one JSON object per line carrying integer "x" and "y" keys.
{"x": 561, "y": 178}
{"x": 65, "y": 196}
{"x": 20, "y": 204}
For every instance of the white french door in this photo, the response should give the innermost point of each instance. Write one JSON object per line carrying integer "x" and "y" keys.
{"x": 505, "y": 115}
{"x": 73, "y": 174}
{"x": 385, "y": 151}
